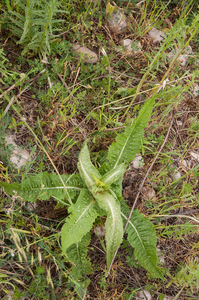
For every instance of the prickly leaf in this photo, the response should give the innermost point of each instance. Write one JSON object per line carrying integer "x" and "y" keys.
{"x": 114, "y": 174}
{"x": 43, "y": 186}
{"x": 80, "y": 221}
{"x": 142, "y": 237}
{"x": 129, "y": 142}
{"x": 77, "y": 253}
{"x": 113, "y": 225}
{"x": 86, "y": 168}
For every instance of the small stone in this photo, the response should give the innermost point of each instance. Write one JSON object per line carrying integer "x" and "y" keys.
{"x": 176, "y": 175}
{"x": 179, "y": 123}
{"x": 148, "y": 193}
{"x": 194, "y": 155}
{"x": 100, "y": 230}
{"x": 131, "y": 47}
{"x": 86, "y": 54}
{"x": 156, "y": 35}
{"x": 160, "y": 255}
{"x": 31, "y": 206}
{"x": 117, "y": 22}
{"x": 145, "y": 295}
{"x": 196, "y": 90}
{"x": 137, "y": 162}
{"x": 182, "y": 58}
{"x": 19, "y": 156}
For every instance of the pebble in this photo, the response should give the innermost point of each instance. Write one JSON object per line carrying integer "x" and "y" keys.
{"x": 194, "y": 155}
{"x": 176, "y": 175}
{"x": 19, "y": 156}
{"x": 137, "y": 162}
{"x": 100, "y": 230}
{"x": 156, "y": 35}
{"x": 145, "y": 295}
{"x": 160, "y": 255}
{"x": 196, "y": 90}
{"x": 86, "y": 54}
{"x": 131, "y": 47}
{"x": 117, "y": 22}
{"x": 182, "y": 58}
{"x": 148, "y": 193}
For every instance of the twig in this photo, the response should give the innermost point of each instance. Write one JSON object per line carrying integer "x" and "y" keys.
{"x": 142, "y": 184}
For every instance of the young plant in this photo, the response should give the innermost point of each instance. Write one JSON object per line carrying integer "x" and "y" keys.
{"x": 35, "y": 23}
{"x": 98, "y": 192}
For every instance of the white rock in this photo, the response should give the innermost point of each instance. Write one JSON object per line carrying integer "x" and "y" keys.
{"x": 160, "y": 255}
{"x": 183, "y": 58}
{"x": 31, "y": 206}
{"x": 176, "y": 175}
{"x": 196, "y": 90}
{"x": 100, "y": 230}
{"x": 19, "y": 156}
{"x": 167, "y": 298}
{"x": 148, "y": 192}
{"x": 156, "y": 35}
{"x": 117, "y": 22}
{"x": 86, "y": 54}
{"x": 131, "y": 47}
{"x": 137, "y": 162}
{"x": 194, "y": 155}
{"x": 145, "y": 295}
{"x": 184, "y": 163}
{"x": 179, "y": 123}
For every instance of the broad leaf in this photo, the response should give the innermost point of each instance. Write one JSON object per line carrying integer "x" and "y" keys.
{"x": 43, "y": 186}
{"x": 77, "y": 253}
{"x": 142, "y": 237}
{"x": 129, "y": 142}
{"x": 114, "y": 174}
{"x": 113, "y": 225}
{"x": 83, "y": 214}
{"x": 86, "y": 168}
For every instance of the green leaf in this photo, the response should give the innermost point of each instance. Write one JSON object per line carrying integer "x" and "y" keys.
{"x": 77, "y": 253}
{"x": 113, "y": 225}
{"x": 114, "y": 174}
{"x": 129, "y": 142}
{"x": 83, "y": 214}
{"x": 43, "y": 186}
{"x": 142, "y": 237}
{"x": 86, "y": 168}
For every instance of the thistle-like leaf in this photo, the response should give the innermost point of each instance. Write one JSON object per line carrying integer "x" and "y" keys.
{"x": 77, "y": 253}
{"x": 114, "y": 174}
{"x": 129, "y": 142}
{"x": 113, "y": 225}
{"x": 142, "y": 237}
{"x": 86, "y": 168}
{"x": 83, "y": 214}
{"x": 42, "y": 186}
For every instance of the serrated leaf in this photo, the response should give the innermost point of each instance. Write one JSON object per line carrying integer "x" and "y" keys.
{"x": 77, "y": 253}
{"x": 129, "y": 142}
{"x": 43, "y": 186}
{"x": 83, "y": 214}
{"x": 142, "y": 237}
{"x": 113, "y": 225}
{"x": 86, "y": 168}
